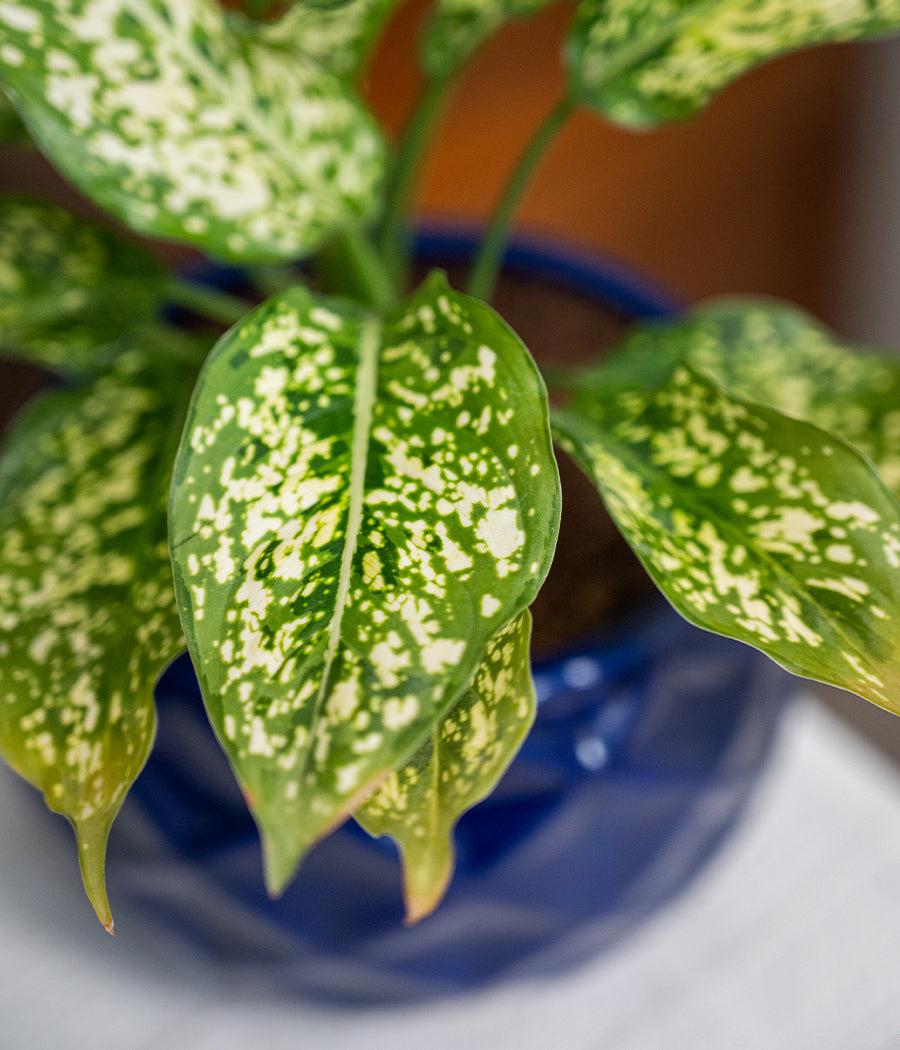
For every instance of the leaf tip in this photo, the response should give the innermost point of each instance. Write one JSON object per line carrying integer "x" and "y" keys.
{"x": 424, "y": 887}
{"x": 419, "y": 908}
{"x": 280, "y": 863}
{"x": 92, "y": 837}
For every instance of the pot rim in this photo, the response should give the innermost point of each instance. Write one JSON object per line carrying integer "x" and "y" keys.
{"x": 554, "y": 258}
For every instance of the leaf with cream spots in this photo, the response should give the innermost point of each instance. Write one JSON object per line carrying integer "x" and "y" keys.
{"x": 458, "y": 766}
{"x": 183, "y": 126}
{"x": 774, "y": 354}
{"x": 88, "y": 616}
{"x": 459, "y": 27}
{"x": 647, "y": 62}
{"x": 338, "y": 35}
{"x": 753, "y": 524}
{"x": 359, "y": 504}
{"x": 69, "y": 287}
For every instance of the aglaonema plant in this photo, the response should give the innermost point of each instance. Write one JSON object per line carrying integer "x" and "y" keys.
{"x": 345, "y": 506}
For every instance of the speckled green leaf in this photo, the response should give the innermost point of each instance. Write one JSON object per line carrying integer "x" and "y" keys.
{"x": 645, "y": 62}
{"x": 457, "y": 766}
{"x": 777, "y": 355}
{"x": 459, "y": 27}
{"x": 339, "y": 36}
{"x": 774, "y": 354}
{"x": 87, "y": 607}
{"x": 359, "y": 505}
{"x": 185, "y": 128}
{"x": 68, "y": 287}
{"x": 753, "y": 524}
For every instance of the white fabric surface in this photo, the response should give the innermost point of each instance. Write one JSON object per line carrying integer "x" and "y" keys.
{"x": 789, "y": 939}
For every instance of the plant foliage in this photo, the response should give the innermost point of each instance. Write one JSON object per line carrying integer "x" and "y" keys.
{"x": 359, "y": 490}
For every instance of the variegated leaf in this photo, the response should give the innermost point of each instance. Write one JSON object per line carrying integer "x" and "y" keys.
{"x": 166, "y": 116}
{"x": 457, "y": 766}
{"x": 459, "y": 27}
{"x": 753, "y": 524}
{"x": 337, "y": 35}
{"x": 774, "y": 354}
{"x": 261, "y": 9}
{"x": 359, "y": 505}
{"x": 68, "y": 287}
{"x": 88, "y": 616}
{"x": 645, "y": 62}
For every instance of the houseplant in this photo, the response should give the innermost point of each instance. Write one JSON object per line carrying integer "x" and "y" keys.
{"x": 364, "y": 500}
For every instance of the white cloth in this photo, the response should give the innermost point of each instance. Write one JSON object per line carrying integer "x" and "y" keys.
{"x": 789, "y": 940}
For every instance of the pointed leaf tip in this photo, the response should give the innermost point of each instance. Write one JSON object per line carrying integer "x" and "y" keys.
{"x": 282, "y": 858}
{"x": 92, "y": 835}
{"x": 426, "y": 886}
{"x": 458, "y": 766}
{"x": 89, "y": 614}
{"x": 755, "y": 525}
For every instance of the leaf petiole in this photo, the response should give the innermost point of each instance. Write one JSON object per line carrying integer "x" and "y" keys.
{"x": 208, "y": 301}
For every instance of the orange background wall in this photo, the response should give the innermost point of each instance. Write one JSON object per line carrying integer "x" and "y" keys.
{"x": 740, "y": 199}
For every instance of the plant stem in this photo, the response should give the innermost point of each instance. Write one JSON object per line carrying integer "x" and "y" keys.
{"x": 389, "y": 239}
{"x": 208, "y": 301}
{"x": 349, "y": 265}
{"x": 563, "y": 378}
{"x": 484, "y": 272}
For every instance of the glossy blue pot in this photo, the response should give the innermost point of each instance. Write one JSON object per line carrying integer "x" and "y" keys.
{"x": 646, "y": 745}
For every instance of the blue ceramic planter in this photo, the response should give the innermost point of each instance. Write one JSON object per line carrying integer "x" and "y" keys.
{"x": 646, "y": 745}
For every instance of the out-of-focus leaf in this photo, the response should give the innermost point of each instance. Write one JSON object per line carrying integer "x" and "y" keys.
{"x": 339, "y": 36}
{"x": 459, "y": 27}
{"x": 164, "y": 114}
{"x": 646, "y": 62}
{"x": 775, "y": 354}
{"x": 88, "y": 616}
{"x": 69, "y": 288}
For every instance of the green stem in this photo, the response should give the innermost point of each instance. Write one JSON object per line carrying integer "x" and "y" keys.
{"x": 272, "y": 279}
{"x": 484, "y": 272}
{"x": 562, "y": 378}
{"x": 172, "y": 344}
{"x": 207, "y": 301}
{"x": 349, "y": 265}
{"x": 389, "y": 239}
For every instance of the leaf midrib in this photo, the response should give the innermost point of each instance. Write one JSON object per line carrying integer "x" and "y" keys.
{"x": 363, "y": 406}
